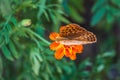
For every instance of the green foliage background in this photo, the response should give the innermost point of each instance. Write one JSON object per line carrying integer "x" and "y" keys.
{"x": 24, "y": 43}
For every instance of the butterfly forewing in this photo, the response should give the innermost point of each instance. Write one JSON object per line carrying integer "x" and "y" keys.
{"x": 73, "y": 34}
{"x": 71, "y": 31}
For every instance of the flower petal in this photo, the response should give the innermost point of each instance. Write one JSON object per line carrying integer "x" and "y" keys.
{"x": 73, "y": 57}
{"x": 59, "y": 53}
{"x": 67, "y": 52}
{"x": 53, "y": 35}
{"x": 78, "y": 48}
{"x": 54, "y": 46}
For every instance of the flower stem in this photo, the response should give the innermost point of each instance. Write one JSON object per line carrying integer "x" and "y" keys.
{"x": 38, "y": 36}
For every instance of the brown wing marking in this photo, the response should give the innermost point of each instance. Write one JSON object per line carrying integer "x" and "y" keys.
{"x": 71, "y": 31}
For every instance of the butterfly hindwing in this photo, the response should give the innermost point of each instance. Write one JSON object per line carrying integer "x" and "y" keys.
{"x": 87, "y": 37}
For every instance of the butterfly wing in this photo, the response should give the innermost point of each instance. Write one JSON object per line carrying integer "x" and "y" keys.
{"x": 86, "y": 38}
{"x": 71, "y": 31}
{"x": 73, "y": 34}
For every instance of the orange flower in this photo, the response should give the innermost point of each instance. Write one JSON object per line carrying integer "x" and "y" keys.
{"x": 64, "y": 50}
{"x": 53, "y": 35}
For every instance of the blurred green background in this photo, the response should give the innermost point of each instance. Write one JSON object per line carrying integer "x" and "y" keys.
{"x": 25, "y": 26}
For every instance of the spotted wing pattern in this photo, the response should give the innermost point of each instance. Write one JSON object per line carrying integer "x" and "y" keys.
{"x": 75, "y": 32}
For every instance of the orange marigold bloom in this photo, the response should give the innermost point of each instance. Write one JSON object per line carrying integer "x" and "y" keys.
{"x": 64, "y": 50}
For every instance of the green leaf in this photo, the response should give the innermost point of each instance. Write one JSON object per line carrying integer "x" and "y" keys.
{"x": 85, "y": 73}
{"x": 38, "y": 36}
{"x": 78, "y": 5}
{"x": 40, "y": 30}
{"x": 6, "y": 35}
{"x": 36, "y": 66}
{"x": 109, "y": 54}
{"x": 14, "y": 21}
{"x": 98, "y": 16}
{"x": 115, "y": 12}
{"x": 8, "y": 27}
{"x": 85, "y": 63}
{"x": 117, "y": 2}
{"x": 98, "y": 5}
{"x": 13, "y": 49}
{"x": 42, "y": 7}
{"x": 63, "y": 19}
{"x": 35, "y": 59}
{"x": 75, "y": 15}
{"x": 46, "y": 15}
{"x": 5, "y": 8}
{"x": 7, "y": 53}
{"x": 1, "y": 41}
{"x": 59, "y": 69}
{"x": 67, "y": 69}
{"x": 100, "y": 68}
{"x": 45, "y": 76}
{"x": 109, "y": 18}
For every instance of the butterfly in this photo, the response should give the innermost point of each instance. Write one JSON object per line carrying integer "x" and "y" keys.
{"x": 73, "y": 34}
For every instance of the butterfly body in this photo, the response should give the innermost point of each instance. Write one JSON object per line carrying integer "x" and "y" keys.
{"x": 73, "y": 34}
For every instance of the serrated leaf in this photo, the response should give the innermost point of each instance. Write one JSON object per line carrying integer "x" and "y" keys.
{"x": 98, "y": 16}
{"x": 35, "y": 52}
{"x": 20, "y": 33}
{"x": 6, "y": 53}
{"x": 41, "y": 8}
